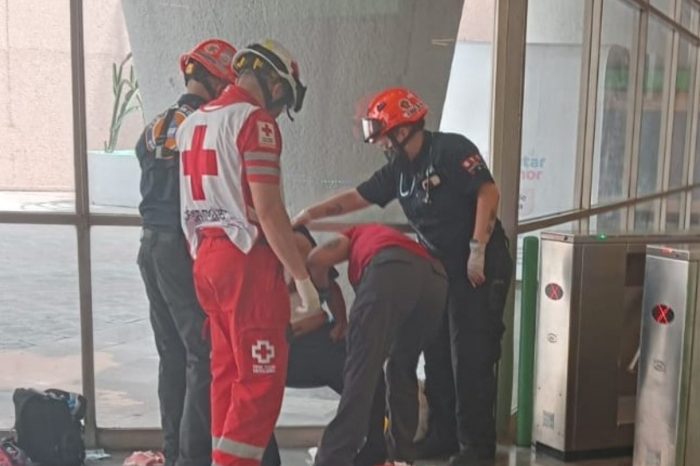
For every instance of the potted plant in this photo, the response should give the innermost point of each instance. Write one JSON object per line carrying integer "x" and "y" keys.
{"x": 114, "y": 174}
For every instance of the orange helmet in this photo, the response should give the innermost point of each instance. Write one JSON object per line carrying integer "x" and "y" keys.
{"x": 215, "y": 55}
{"x": 389, "y": 109}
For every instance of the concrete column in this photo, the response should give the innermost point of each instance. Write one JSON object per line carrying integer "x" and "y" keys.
{"x": 347, "y": 51}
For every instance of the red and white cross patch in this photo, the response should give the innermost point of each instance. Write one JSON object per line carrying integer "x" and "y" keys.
{"x": 266, "y": 135}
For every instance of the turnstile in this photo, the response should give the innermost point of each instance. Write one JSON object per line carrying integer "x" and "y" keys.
{"x": 590, "y": 294}
{"x": 668, "y": 404}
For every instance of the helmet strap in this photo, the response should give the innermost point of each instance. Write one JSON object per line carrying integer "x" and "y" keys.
{"x": 202, "y": 76}
{"x": 267, "y": 94}
{"x": 400, "y": 147}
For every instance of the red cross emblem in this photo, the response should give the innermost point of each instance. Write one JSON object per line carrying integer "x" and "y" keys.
{"x": 266, "y": 134}
{"x": 267, "y": 130}
{"x": 263, "y": 352}
{"x": 198, "y": 162}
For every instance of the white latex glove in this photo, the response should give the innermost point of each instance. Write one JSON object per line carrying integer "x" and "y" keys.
{"x": 301, "y": 219}
{"x": 308, "y": 294}
{"x": 475, "y": 264}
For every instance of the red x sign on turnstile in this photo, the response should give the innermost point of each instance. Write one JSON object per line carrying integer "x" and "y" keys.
{"x": 554, "y": 292}
{"x": 662, "y": 314}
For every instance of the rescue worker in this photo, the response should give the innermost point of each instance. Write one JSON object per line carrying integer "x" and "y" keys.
{"x": 450, "y": 200}
{"x": 400, "y": 294}
{"x": 240, "y": 237}
{"x": 317, "y": 356}
{"x": 166, "y": 266}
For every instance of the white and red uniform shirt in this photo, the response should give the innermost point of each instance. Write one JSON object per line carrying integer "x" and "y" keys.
{"x": 225, "y": 145}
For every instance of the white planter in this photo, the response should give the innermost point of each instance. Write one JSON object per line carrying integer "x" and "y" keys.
{"x": 114, "y": 178}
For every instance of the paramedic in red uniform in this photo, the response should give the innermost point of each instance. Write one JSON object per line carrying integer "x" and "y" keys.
{"x": 241, "y": 240}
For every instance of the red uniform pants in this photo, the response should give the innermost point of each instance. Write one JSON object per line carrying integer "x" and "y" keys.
{"x": 246, "y": 300}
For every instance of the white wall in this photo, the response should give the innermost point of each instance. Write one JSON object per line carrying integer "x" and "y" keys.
{"x": 467, "y": 107}
{"x": 346, "y": 51}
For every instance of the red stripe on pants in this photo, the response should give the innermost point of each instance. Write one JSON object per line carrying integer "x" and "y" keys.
{"x": 247, "y": 302}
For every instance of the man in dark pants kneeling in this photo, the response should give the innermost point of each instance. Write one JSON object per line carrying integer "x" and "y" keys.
{"x": 400, "y": 297}
{"x": 317, "y": 356}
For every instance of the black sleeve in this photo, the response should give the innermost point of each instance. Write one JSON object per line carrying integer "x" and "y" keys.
{"x": 141, "y": 149}
{"x": 465, "y": 167}
{"x": 380, "y": 189}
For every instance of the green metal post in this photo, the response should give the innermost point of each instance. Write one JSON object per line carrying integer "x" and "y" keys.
{"x": 528, "y": 314}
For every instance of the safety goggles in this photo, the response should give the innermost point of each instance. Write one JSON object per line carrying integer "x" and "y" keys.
{"x": 371, "y": 128}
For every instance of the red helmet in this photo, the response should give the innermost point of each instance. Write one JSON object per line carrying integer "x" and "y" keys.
{"x": 215, "y": 55}
{"x": 391, "y": 108}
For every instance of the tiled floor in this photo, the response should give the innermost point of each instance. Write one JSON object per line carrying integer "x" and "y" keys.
{"x": 507, "y": 456}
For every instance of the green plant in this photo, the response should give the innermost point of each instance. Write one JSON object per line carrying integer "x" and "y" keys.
{"x": 127, "y": 99}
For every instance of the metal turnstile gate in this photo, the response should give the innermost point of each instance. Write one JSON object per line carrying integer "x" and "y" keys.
{"x": 668, "y": 403}
{"x": 588, "y": 324}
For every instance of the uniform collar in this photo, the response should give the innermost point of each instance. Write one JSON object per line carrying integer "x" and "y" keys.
{"x": 192, "y": 100}
{"x": 424, "y": 152}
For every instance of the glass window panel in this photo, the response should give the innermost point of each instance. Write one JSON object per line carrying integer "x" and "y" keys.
{"x": 666, "y": 6}
{"x": 684, "y": 77}
{"x": 36, "y": 121}
{"x": 695, "y": 209}
{"x": 615, "y": 101}
{"x": 40, "y": 345}
{"x": 127, "y": 386}
{"x": 646, "y": 217}
{"x": 114, "y": 114}
{"x": 696, "y": 165}
{"x": 650, "y": 167}
{"x": 689, "y": 15}
{"x": 551, "y": 106}
{"x": 674, "y": 213}
{"x": 609, "y": 222}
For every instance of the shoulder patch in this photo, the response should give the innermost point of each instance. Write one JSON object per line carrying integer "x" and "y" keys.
{"x": 157, "y": 135}
{"x": 266, "y": 134}
{"x": 473, "y": 163}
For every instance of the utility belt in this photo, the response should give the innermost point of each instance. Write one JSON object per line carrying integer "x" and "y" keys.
{"x": 167, "y": 232}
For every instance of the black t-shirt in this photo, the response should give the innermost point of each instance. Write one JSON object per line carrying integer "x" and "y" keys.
{"x": 160, "y": 165}
{"x": 437, "y": 191}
